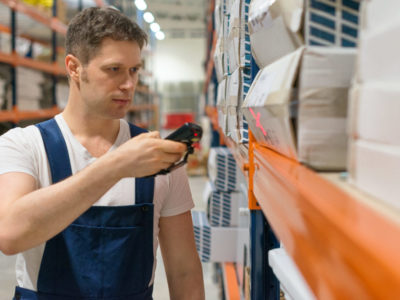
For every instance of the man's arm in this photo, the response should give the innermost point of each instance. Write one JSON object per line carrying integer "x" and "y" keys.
{"x": 181, "y": 261}
{"x": 31, "y": 216}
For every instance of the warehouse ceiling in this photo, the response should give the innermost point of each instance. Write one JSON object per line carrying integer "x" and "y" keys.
{"x": 180, "y": 18}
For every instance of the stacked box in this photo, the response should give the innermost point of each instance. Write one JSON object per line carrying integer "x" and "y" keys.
{"x": 214, "y": 244}
{"x": 326, "y": 23}
{"x": 238, "y": 85}
{"x": 298, "y": 106}
{"x": 223, "y": 171}
{"x": 223, "y": 207}
{"x": 332, "y": 23}
{"x": 374, "y": 153}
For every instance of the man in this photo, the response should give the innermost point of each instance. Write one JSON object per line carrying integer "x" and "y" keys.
{"x": 77, "y": 201}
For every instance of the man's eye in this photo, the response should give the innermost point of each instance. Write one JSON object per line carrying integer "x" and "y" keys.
{"x": 134, "y": 70}
{"x": 114, "y": 69}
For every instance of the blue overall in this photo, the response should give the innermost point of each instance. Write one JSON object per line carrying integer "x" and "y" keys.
{"x": 106, "y": 253}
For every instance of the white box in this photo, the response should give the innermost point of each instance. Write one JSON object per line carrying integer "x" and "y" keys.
{"x": 221, "y": 105}
{"x": 214, "y": 244}
{"x": 271, "y": 109}
{"x": 375, "y": 113}
{"x": 376, "y": 13}
{"x": 379, "y": 54}
{"x": 290, "y": 278}
{"x": 223, "y": 207}
{"x": 332, "y": 23}
{"x": 272, "y": 21}
{"x": 223, "y": 171}
{"x": 375, "y": 169}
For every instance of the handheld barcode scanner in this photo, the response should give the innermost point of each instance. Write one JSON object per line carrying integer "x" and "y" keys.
{"x": 188, "y": 133}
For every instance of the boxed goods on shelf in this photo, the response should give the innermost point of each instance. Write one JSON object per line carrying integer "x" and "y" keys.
{"x": 238, "y": 85}
{"x": 374, "y": 113}
{"x": 223, "y": 207}
{"x": 375, "y": 168}
{"x": 270, "y": 22}
{"x": 375, "y": 15}
{"x": 214, "y": 244}
{"x": 221, "y": 105}
{"x": 379, "y": 54}
{"x": 331, "y": 23}
{"x": 223, "y": 171}
{"x": 303, "y": 97}
{"x": 320, "y": 22}
{"x": 238, "y": 39}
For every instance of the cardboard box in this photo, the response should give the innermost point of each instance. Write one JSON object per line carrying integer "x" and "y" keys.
{"x": 238, "y": 85}
{"x": 270, "y": 21}
{"x": 221, "y": 106}
{"x": 223, "y": 171}
{"x": 223, "y": 207}
{"x": 375, "y": 113}
{"x": 320, "y": 22}
{"x": 332, "y": 23}
{"x": 214, "y": 244}
{"x": 313, "y": 130}
{"x": 379, "y": 54}
{"x": 375, "y": 169}
{"x": 376, "y": 14}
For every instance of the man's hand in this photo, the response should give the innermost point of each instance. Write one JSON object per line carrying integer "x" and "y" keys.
{"x": 146, "y": 154}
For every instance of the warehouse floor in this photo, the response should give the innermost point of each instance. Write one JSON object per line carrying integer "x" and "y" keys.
{"x": 197, "y": 183}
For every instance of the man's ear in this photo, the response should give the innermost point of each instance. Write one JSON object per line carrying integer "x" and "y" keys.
{"x": 73, "y": 66}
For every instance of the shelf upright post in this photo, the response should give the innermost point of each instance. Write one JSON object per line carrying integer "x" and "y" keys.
{"x": 264, "y": 284}
{"x": 13, "y": 26}
{"x": 54, "y": 57}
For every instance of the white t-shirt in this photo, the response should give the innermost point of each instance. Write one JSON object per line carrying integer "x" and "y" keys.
{"x": 22, "y": 150}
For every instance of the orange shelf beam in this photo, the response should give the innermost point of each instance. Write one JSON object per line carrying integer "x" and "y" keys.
{"x": 16, "y": 115}
{"x": 231, "y": 282}
{"x": 343, "y": 247}
{"x": 16, "y": 60}
{"x": 38, "y": 16}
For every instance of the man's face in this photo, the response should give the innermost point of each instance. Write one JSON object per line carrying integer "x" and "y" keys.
{"x": 107, "y": 83}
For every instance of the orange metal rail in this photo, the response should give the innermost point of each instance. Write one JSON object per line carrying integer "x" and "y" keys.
{"x": 16, "y": 115}
{"x": 40, "y": 17}
{"x": 16, "y": 60}
{"x": 231, "y": 282}
{"x": 344, "y": 249}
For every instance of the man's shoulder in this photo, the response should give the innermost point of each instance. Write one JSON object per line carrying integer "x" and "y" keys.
{"x": 23, "y": 134}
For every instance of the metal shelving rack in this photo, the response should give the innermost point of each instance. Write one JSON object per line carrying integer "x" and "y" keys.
{"x": 15, "y": 115}
{"x": 344, "y": 242}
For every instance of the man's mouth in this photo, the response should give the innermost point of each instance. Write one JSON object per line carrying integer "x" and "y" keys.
{"x": 121, "y": 101}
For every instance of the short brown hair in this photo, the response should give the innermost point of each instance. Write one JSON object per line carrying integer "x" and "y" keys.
{"x": 90, "y": 27}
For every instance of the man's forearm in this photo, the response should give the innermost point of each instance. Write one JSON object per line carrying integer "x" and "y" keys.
{"x": 188, "y": 286}
{"x": 39, "y": 215}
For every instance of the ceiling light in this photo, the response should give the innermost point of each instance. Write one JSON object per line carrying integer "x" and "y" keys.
{"x": 155, "y": 27}
{"x": 160, "y": 35}
{"x": 140, "y": 4}
{"x": 148, "y": 17}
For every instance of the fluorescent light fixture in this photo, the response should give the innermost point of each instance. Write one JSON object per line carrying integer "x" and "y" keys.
{"x": 140, "y": 4}
{"x": 160, "y": 35}
{"x": 148, "y": 17}
{"x": 155, "y": 27}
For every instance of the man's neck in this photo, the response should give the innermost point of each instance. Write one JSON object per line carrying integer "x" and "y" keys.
{"x": 96, "y": 134}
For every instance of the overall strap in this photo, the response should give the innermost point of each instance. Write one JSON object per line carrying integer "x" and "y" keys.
{"x": 56, "y": 150}
{"x": 144, "y": 187}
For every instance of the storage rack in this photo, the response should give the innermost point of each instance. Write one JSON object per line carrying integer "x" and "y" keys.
{"x": 15, "y": 115}
{"x": 344, "y": 242}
